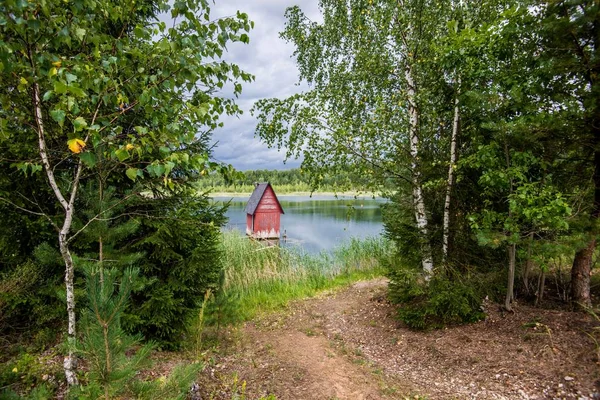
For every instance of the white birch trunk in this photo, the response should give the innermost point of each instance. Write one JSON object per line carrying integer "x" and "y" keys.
{"x": 446, "y": 223}
{"x": 418, "y": 201}
{"x": 69, "y": 363}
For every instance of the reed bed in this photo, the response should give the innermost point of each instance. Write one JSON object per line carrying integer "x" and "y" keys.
{"x": 259, "y": 278}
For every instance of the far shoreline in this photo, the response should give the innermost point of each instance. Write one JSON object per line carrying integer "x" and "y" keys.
{"x": 307, "y": 194}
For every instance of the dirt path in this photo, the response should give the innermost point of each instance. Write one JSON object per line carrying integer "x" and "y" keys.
{"x": 348, "y": 345}
{"x": 317, "y": 372}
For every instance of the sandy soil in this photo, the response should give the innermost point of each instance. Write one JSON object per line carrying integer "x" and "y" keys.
{"x": 348, "y": 345}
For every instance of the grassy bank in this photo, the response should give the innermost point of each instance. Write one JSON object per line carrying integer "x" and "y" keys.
{"x": 259, "y": 278}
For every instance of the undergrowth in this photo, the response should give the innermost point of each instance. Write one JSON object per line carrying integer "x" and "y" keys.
{"x": 444, "y": 300}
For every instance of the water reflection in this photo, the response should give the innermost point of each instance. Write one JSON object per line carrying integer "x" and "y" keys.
{"x": 317, "y": 223}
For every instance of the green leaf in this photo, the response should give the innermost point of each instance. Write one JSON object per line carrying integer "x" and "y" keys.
{"x": 76, "y": 91}
{"x": 35, "y": 168}
{"x": 70, "y": 78}
{"x": 122, "y": 154}
{"x": 70, "y": 103}
{"x": 156, "y": 170}
{"x": 132, "y": 173}
{"x": 48, "y": 95}
{"x": 139, "y": 32}
{"x": 169, "y": 167}
{"x": 80, "y": 33}
{"x": 58, "y": 116}
{"x": 88, "y": 159}
{"x": 164, "y": 151}
{"x": 142, "y": 130}
{"x": 60, "y": 87}
{"x": 79, "y": 124}
{"x": 202, "y": 110}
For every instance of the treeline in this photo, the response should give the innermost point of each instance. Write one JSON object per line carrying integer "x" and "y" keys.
{"x": 484, "y": 117}
{"x": 285, "y": 181}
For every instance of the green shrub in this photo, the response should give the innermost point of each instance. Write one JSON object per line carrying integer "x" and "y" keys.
{"x": 29, "y": 300}
{"x": 182, "y": 261}
{"x": 440, "y": 302}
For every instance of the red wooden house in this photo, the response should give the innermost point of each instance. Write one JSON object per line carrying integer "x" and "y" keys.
{"x": 263, "y": 213}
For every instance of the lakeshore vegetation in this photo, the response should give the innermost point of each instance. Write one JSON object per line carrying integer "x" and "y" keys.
{"x": 479, "y": 122}
{"x": 262, "y": 278}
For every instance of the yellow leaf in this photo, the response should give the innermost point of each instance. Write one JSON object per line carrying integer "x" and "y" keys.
{"x": 129, "y": 146}
{"x": 76, "y": 145}
{"x": 57, "y": 64}
{"x": 15, "y": 370}
{"x": 23, "y": 81}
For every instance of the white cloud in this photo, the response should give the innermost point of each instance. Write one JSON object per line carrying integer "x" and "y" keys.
{"x": 269, "y": 59}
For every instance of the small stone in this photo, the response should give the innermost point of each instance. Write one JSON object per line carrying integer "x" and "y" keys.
{"x": 569, "y": 378}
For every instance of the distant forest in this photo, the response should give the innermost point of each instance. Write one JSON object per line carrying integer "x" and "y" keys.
{"x": 284, "y": 181}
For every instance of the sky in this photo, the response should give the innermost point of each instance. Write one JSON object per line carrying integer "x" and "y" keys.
{"x": 270, "y": 60}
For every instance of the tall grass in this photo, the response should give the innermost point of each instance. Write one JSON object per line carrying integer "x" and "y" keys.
{"x": 259, "y": 278}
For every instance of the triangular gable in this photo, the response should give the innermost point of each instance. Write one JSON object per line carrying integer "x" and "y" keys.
{"x": 257, "y": 196}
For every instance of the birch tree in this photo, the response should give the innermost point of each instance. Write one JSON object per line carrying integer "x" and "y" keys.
{"x": 451, "y": 167}
{"x": 365, "y": 109}
{"x": 85, "y": 75}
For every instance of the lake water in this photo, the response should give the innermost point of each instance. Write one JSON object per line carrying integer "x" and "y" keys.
{"x": 319, "y": 222}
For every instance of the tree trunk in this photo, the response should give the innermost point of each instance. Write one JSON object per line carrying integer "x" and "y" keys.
{"x": 580, "y": 275}
{"x": 510, "y": 296}
{"x": 582, "y": 263}
{"x": 540, "y": 287}
{"x": 418, "y": 201}
{"x": 69, "y": 362}
{"x": 528, "y": 264}
{"x": 449, "y": 186}
{"x": 512, "y": 248}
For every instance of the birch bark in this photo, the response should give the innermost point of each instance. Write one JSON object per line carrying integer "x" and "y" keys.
{"x": 450, "y": 184}
{"x": 69, "y": 362}
{"x": 417, "y": 191}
